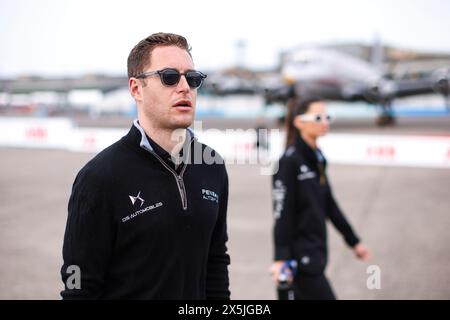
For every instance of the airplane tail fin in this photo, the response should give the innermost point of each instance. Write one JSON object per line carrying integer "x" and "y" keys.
{"x": 377, "y": 54}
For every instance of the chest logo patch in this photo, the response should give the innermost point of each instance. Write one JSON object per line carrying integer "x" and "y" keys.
{"x": 138, "y": 197}
{"x": 305, "y": 173}
{"x": 210, "y": 196}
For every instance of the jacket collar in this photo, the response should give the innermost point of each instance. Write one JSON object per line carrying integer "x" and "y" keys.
{"x": 143, "y": 140}
{"x": 308, "y": 152}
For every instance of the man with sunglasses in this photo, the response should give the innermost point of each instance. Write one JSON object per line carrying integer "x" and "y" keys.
{"x": 147, "y": 218}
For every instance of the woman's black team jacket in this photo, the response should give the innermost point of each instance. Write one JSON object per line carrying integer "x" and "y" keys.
{"x": 302, "y": 201}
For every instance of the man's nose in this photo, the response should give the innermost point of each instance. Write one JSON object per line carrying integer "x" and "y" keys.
{"x": 183, "y": 84}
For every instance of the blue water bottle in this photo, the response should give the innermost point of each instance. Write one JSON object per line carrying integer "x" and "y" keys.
{"x": 285, "y": 289}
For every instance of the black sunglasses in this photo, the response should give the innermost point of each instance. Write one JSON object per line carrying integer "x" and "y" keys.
{"x": 171, "y": 77}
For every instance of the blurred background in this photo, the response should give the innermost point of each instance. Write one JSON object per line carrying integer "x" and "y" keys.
{"x": 382, "y": 66}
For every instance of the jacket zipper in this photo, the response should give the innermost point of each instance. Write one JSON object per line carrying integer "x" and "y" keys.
{"x": 178, "y": 178}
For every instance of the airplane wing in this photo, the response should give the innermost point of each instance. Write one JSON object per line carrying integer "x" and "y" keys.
{"x": 379, "y": 93}
{"x": 412, "y": 87}
{"x": 438, "y": 82}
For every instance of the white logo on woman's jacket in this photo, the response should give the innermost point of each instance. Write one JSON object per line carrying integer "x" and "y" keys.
{"x": 278, "y": 195}
{"x": 305, "y": 173}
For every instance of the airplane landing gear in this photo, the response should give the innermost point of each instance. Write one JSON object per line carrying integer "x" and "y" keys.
{"x": 386, "y": 118}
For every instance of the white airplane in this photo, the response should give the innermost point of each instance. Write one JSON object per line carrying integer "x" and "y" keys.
{"x": 333, "y": 75}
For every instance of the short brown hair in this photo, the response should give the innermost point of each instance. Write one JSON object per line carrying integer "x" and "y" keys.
{"x": 140, "y": 55}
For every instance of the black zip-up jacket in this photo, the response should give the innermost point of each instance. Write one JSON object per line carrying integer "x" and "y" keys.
{"x": 302, "y": 201}
{"x": 138, "y": 229}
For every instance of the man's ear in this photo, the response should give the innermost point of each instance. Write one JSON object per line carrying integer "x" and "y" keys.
{"x": 135, "y": 89}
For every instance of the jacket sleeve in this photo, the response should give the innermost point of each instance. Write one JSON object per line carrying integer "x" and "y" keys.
{"x": 88, "y": 240}
{"x": 284, "y": 190}
{"x": 339, "y": 221}
{"x": 217, "y": 281}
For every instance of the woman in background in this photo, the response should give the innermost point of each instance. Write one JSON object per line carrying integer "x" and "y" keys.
{"x": 302, "y": 201}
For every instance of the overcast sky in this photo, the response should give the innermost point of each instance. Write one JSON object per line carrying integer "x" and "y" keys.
{"x": 72, "y": 37}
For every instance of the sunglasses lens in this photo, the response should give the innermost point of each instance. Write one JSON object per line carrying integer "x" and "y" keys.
{"x": 194, "y": 79}
{"x": 170, "y": 77}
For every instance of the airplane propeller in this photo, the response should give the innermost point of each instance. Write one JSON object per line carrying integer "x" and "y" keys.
{"x": 442, "y": 84}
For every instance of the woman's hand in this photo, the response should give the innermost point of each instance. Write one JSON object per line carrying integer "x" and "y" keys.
{"x": 361, "y": 252}
{"x": 276, "y": 268}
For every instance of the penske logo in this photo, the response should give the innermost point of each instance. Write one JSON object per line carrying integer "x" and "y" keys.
{"x": 210, "y": 195}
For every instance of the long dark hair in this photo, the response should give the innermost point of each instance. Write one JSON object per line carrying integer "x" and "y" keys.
{"x": 296, "y": 106}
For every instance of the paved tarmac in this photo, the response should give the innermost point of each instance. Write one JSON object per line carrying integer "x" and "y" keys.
{"x": 402, "y": 215}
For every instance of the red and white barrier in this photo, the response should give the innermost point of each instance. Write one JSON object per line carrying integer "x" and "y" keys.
{"x": 238, "y": 146}
{"x": 35, "y": 132}
{"x": 416, "y": 151}
{"x": 93, "y": 139}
